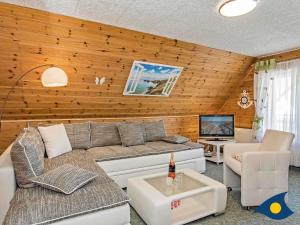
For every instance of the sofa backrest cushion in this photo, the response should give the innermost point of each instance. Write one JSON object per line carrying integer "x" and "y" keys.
{"x": 155, "y": 130}
{"x": 131, "y": 134}
{"x": 79, "y": 135}
{"x": 275, "y": 140}
{"x": 56, "y": 140}
{"x": 27, "y": 155}
{"x": 104, "y": 135}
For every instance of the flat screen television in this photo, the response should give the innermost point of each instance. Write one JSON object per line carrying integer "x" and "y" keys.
{"x": 216, "y": 126}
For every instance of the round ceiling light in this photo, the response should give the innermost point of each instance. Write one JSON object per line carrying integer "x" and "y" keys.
{"x": 233, "y": 8}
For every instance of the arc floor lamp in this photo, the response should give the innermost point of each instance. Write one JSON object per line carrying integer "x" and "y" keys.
{"x": 51, "y": 77}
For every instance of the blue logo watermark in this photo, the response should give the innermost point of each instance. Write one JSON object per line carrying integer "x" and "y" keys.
{"x": 275, "y": 207}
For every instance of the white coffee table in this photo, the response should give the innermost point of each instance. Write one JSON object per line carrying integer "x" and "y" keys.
{"x": 199, "y": 196}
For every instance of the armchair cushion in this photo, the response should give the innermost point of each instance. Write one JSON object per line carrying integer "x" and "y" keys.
{"x": 237, "y": 156}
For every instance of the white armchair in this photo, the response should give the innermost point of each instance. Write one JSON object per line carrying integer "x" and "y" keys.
{"x": 260, "y": 170}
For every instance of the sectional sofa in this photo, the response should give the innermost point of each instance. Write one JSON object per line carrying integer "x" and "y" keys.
{"x": 112, "y": 152}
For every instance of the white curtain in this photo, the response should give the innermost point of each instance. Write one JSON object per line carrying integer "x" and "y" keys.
{"x": 261, "y": 85}
{"x": 278, "y": 101}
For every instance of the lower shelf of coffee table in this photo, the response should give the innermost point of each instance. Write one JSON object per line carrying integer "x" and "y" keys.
{"x": 192, "y": 208}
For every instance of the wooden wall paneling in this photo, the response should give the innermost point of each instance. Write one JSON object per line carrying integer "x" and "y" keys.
{"x": 184, "y": 125}
{"x": 87, "y": 49}
{"x": 243, "y": 117}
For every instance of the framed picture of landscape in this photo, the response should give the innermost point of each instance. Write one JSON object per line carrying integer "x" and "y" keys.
{"x": 151, "y": 79}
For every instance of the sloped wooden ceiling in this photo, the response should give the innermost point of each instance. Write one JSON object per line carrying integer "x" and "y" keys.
{"x": 85, "y": 50}
{"x": 244, "y": 117}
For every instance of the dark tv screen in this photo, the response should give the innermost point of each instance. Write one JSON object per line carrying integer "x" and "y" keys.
{"x": 216, "y": 125}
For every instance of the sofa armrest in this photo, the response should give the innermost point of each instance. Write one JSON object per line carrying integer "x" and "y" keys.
{"x": 265, "y": 160}
{"x": 229, "y": 149}
{"x": 7, "y": 181}
{"x": 264, "y": 174}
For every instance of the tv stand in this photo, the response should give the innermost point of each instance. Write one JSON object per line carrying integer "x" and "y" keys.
{"x": 217, "y": 139}
{"x": 217, "y": 156}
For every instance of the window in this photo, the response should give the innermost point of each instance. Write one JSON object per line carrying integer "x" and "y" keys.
{"x": 278, "y": 101}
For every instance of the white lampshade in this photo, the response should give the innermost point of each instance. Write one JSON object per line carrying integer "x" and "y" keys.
{"x": 233, "y": 8}
{"x": 54, "y": 77}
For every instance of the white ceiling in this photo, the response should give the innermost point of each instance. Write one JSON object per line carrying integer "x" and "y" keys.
{"x": 274, "y": 26}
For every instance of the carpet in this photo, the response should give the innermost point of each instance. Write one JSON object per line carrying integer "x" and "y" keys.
{"x": 235, "y": 214}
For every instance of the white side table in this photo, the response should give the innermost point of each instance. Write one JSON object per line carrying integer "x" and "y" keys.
{"x": 217, "y": 157}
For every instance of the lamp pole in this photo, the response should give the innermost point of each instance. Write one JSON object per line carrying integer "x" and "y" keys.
{"x": 12, "y": 88}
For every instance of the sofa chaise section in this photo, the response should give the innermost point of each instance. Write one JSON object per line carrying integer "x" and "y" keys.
{"x": 38, "y": 205}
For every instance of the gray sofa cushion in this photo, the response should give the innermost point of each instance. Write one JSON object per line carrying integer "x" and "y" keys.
{"x": 143, "y": 131}
{"x": 176, "y": 139}
{"x": 104, "y": 135}
{"x": 193, "y": 144}
{"x": 121, "y": 152}
{"x": 131, "y": 134}
{"x": 162, "y": 146}
{"x": 65, "y": 179}
{"x": 155, "y": 131}
{"x": 79, "y": 135}
{"x": 27, "y": 154}
{"x": 117, "y": 152}
{"x": 42, "y": 206}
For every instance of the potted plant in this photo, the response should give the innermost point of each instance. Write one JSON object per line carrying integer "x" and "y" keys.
{"x": 257, "y": 122}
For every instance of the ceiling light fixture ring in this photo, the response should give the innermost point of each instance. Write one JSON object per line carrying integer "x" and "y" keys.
{"x": 234, "y": 8}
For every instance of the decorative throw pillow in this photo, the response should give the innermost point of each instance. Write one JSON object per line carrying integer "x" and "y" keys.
{"x": 131, "y": 134}
{"x": 176, "y": 139}
{"x": 27, "y": 155}
{"x": 237, "y": 156}
{"x": 55, "y": 139}
{"x": 65, "y": 179}
{"x": 104, "y": 135}
{"x": 79, "y": 135}
{"x": 155, "y": 131}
